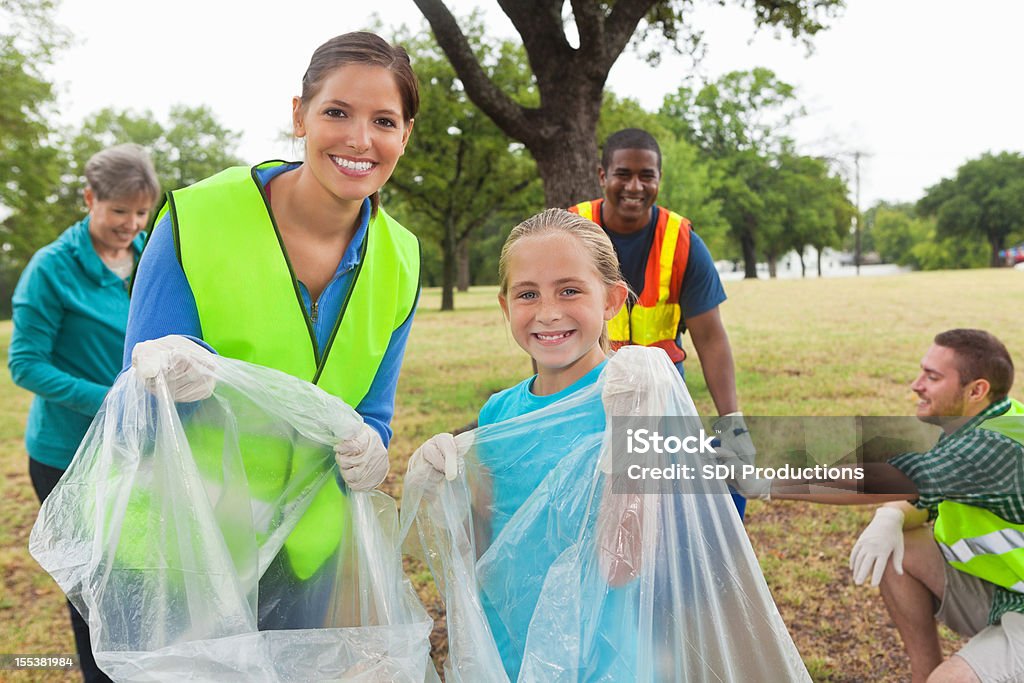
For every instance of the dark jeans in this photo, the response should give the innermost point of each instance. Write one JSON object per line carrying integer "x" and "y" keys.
{"x": 44, "y": 478}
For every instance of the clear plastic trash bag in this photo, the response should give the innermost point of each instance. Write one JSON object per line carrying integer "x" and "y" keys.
{"x": 548, "y": 573}
{"x": 215, "y": 540}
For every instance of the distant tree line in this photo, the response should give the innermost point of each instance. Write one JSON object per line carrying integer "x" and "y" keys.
{"x": 42, "y": 163}
{"x": 729, "y": 163}
{"x": 961, "y": 222}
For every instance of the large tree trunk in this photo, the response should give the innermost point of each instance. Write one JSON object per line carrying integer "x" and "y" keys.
{"x": 560, "y": 133}
{"x": 448, "y": 267}
{"x": 568, "y": 169}
{"x": 749, "y": 254}
{"x": 771, "y": 259}
{"x": 819, "y": 262}
{"x": 803, "y": 266}
{"x": 997, "y": 244}
{"x": 462, "y": 279}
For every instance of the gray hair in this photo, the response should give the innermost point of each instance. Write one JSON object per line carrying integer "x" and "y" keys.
{"x": 121, "y": 171}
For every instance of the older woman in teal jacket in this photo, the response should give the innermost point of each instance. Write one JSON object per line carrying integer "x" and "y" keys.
{"x": 70, "y": 310}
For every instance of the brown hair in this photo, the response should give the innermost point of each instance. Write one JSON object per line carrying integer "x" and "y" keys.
{"x": 979, "y": 355}
{"x": 369, "y": 49}
{"x": 590, "y": 235}
{"x": 121, "y": 172}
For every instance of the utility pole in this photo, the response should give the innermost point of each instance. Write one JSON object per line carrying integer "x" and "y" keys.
{"x": 844, "y": 169}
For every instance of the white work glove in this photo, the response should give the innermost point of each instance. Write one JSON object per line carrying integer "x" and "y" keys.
{"x": 436, "y": 460}
{"x": 362, "y": 459}
{"x": 751, "y": 487}
{"x": 880, "y": 539}
{"x": 185, "y": 365}
{"x": 732, "y": 431}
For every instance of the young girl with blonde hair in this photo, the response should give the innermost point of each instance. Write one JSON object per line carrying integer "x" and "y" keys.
{"x": 563, "y": 573}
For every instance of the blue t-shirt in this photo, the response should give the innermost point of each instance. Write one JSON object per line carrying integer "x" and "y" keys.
{"x": 548, "y": 460}
{"x": 515, "y": 478}
{"x": 702, "y": 287}
{"x": 163, "y": 303}
{"x": 520, "y": 399}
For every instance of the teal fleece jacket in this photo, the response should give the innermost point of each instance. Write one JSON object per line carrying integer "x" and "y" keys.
{"x": 70, "y": 312}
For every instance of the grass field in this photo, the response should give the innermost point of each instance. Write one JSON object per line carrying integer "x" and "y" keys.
{"x": 802, "y": 347}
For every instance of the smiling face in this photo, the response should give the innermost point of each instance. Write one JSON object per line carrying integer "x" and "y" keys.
{"x": 354, "y": 130}
{"x": 630, "y": 185}
{"x": 557, "y": 304}
{"x": 938, "y": 388}
{"x": 114, "y": 223}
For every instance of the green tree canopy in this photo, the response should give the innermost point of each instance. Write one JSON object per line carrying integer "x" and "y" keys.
{"x": 739, "y": 121}
{"x": 984, "y": 199}
{"x": 816, "y": 208}
{"x": 30, "y": 156}
{"x": 741, "y": 111}
{"x": 902, "y": 237}
{"x": 192, "y": 146}
{"x": 559, "y": 127}
{"x": 460, "y": 171}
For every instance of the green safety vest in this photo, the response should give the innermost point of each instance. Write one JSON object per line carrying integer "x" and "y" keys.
{"x": 977, "y": 541}
{"x": 250, "y": 308}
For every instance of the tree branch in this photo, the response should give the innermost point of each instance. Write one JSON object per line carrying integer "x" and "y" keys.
{"x": 619, "y": 28}
{"x": 589, "y": 23}
{"x": 485, "y": 94}
{"x": 512, "y": 192}
{"x": 539, "y": 24}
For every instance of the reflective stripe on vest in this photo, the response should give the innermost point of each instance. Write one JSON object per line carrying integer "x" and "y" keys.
{"x": 653, "y": 320}
{"x": 977, "y": 541}
{"x": 250, "y": 307}
{"x": 987, "y": 547}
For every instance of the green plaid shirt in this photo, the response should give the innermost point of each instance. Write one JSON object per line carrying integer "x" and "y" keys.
{"x": 975, "y": 467}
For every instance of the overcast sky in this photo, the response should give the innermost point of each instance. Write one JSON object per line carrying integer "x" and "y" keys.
{"x": 918, "y": 85}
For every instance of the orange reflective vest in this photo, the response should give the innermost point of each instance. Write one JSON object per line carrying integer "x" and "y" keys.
{"x": 653, "y": 320}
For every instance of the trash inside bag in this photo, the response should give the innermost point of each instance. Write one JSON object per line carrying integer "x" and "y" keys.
{"x": 216, "y": 540}
{"x": 552, "y": 570}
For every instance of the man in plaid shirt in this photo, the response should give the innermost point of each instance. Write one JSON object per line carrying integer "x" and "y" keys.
{"x": 967, "y": 568}
{"x": 973, "y": 481}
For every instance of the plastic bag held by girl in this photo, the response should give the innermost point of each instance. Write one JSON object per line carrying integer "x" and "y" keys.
{"x": 215, "y": 540}
{"x": 551, "y": 571}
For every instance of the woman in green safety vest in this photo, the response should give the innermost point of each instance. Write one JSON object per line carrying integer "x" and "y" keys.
{"x": 297, "y": 267}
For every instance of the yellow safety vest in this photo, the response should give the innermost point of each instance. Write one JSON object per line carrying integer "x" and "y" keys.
{"x": 250, "y": 308}
{"x": 977, "y": 541}
{"x": 653, "y": 320}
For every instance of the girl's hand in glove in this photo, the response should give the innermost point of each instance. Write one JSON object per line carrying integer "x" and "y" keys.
{"x": 436, "y": 460}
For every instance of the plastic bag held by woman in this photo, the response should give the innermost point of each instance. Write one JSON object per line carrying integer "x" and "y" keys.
{"x": 589, "y": 580}
{"x": 216, "y": 540}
